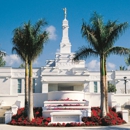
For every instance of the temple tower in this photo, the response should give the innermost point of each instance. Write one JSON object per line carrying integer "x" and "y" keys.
{"x": 65, "y": 45}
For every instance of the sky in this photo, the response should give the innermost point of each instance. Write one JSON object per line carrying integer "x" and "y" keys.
{"x": 14, "y": 13}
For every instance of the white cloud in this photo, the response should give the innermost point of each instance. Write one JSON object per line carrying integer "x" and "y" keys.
{"x": 12, "y": 60}
{"x": 15, "y": 61}
{"x": 94, "y": 65}
{"x": 111, "y": 66}
{"x": 52, "y": 32}
{"x": 36, "y": 63}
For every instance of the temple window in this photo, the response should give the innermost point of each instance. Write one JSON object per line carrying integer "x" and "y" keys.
{"x": 19, "y": 85}
{"x": 34, "y": 85}
{"x": 95, "y": 87}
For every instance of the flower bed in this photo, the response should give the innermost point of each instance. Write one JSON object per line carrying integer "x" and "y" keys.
{"x": 67, "y": 99}
{"x": 66, "y": 108}
{"x": 112, "y": 118}
{"x": 64, "y": 105}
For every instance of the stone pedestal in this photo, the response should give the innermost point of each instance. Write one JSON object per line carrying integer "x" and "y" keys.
{"x": 118, "y": 107}
{"x": 66, "y": 117}
{"x": 8, "y": 116}
{"x": 14, "y": 109}
{"x": 125, "y": 115}
{"x": 113, "y": 103}
{"x": 88, "y": 112}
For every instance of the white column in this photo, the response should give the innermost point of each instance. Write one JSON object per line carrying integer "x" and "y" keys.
{"x": 14, "y": 109}
{"x": 22, "y": 86}
{"x": 8, "y": 116}
{"x": 10, "y": 86}
{"x": 86, "y": 87}
{"x": 44, "y": 87}
{"x": 98, "y": 85}
{"x": 125, "y": 115}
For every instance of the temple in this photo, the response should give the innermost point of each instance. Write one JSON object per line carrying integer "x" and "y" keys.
{"x": 60, "y": 74}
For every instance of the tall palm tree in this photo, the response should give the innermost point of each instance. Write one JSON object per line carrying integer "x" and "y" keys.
{"x": 19, "y": 47}
{"x": 101, "y": 38}
{"x": 36, "y": 41}
{"x": 33, "y": 46}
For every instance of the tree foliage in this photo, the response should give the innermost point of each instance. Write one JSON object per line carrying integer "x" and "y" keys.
{"x": 101, "y": 38}
{"x": 22, "y": 65}
{"x": 127, "y": 60}
{"x": 122, "y": 68}
{"x": 2, "y": 62}
{"x": 29, "y": 41}
{"x": 111, "y": 88}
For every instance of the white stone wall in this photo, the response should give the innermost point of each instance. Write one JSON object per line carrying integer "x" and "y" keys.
{"x": 78, "y": 88}
{"x": 119, "y": 81}
{"x": 14, "y": 87}
{"x": 5, "y": 86}
{"x": 18, "y": 99}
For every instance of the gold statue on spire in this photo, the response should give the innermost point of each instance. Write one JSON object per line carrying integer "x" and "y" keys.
{"x": 65, "y": 12}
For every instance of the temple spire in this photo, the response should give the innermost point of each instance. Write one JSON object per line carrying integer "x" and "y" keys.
{"x": 65, "y": 13}
{"x": 65, "y": 46}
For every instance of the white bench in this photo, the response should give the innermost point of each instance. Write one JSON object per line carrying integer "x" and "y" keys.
{"x": 66, "y": 117}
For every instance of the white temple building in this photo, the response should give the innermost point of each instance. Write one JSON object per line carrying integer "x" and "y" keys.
{"x": 60, "y": 74}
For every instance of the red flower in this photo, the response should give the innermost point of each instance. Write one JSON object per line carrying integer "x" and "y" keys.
{"x": 37, "y": 113}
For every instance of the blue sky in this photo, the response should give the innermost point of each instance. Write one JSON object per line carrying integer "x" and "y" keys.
{"x": 13, "y": 13}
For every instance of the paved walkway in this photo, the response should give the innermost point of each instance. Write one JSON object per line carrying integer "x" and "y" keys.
{"x": 10, "y": 127}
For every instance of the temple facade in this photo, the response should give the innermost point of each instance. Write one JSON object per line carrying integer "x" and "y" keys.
{"x": 60, "y": 74}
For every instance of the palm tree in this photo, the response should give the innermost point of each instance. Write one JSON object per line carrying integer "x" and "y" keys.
{"x": 19, "y": 47}
{"x": 33, "y": 40}
{"x": 101, "y": 38}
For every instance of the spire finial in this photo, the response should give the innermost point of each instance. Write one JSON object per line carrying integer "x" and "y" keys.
{"x": 65, "y": 12}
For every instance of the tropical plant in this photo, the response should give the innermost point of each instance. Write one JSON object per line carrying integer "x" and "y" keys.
{"x": 2, "y": 61}
{"x": 101, "y": 38}
{"x": 111, "y": 87}
{"x": 122, "y": 68}
{"x": 32, "y": 40}
{"x": 127, "y": 60}
{"x": 22, "y": 65}
{"x": 19, "y": 47}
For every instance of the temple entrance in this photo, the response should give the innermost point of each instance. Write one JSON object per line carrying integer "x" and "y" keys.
{"x": 65, "y": 88}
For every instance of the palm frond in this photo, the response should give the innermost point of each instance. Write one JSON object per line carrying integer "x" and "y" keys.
{"x": 38, "y": 25}
{"x": 89, "y": 34}
{"x": 118, "y": 51}
{"x": 127, "y": 60}
{"x": 114, "y": 31}
{"x": 19, "y": 53}
{"x": 84, "y": 52}
{"x": 30, "y": 39}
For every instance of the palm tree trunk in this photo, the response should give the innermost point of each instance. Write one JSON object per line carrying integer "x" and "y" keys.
{"x": 106, "y": 88}
{"x": 26, "y": 88}
{"x": 30, "y": 108}
{"x": 102, "y": 86}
